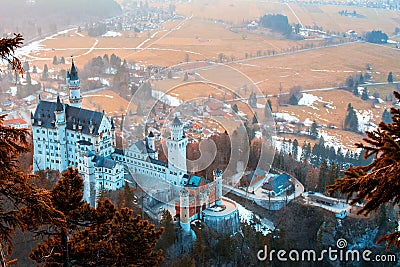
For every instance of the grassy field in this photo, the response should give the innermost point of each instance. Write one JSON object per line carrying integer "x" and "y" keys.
{"x": 326, "y": 67}
{"x": 208, "y": 34}
{"x": 106, "y": 100}
{"x": 308, "y": 15}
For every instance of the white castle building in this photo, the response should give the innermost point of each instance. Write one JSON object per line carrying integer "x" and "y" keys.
{"x": 69, "y": 135}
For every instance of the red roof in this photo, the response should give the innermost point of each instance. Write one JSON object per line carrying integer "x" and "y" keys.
{"x": 229, "y": 116}
{"x": 196, "y": 126}
{"x": 14, "y": 122}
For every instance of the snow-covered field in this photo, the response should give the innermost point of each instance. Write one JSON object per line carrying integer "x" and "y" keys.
{"x": 364, "y": 123}
{"x": 307, "y": 100}
{"x": 266, "y": 226}
{"x": 103, "y": 81}
{"x": 286, "y": 117}
{"x": 111, "y": 34}
{"x": 167, "y": 99}
{"x": 36, "y": 46}
{"x": 310, "y": 99}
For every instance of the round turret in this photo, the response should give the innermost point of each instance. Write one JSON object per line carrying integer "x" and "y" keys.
{"x": 184, "y": 210}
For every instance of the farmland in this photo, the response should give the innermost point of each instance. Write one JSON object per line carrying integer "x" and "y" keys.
{"x": 263, "y": 61}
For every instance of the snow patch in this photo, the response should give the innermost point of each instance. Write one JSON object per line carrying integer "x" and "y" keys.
{"x": 111, "y": 34}
{"x": 167, "y": 99}
{"x": 265, "y": 227}
{"x": 286, "y": 117}
{"x": 364, "y": 123}
{"x": 307, "y": 99}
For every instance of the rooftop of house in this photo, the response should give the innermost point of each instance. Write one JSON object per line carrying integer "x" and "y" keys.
{"x": 88, "y": 120}
{"x": 277, "y": 183}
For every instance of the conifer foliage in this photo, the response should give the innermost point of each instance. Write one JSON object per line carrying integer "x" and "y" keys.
{"x": 103, "y": 236}
{"x": 377, "y": 183}
{"x": 7, "y": 49}
{"x": 116, "y": 238}
{"x": 22, "y": 205}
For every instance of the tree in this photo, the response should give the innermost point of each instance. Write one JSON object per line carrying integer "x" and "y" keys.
{"x": 62, "y": 60}
{"x": 55, "y": 61}
{"x": 26, "y": 66}
{"x": 314, "y": 130}
{"x": 386, "y": 117}
{"x": 252, "y": 101}
{"x": 377, "y": 37}
{"x": 106, "y": 60}
{"x": 67, "y": 197}
{"x": 116, "y": 239}
{"x": 376, "y": 184}
{"x": 168, "y": 236}
{"x": 235, "y": 108}
{"x": 185, "y": 77}
{"x": 34, "y": 69}
{"x": 7, "y": 51}
{"x": 323, "y": 176}
{"x": 24, "y": 206}
{"x": 350, "y": 82}
{"x": 277, "y": 23}
{"x": 351, "y": 120}
{"x": 45, "y": 73}
{"x": 269, "y": 104}
{"x": 28, "y": 78}
{"x": 390, "y": 77}
{"x": 293, "y": 100}
{"x": 255, "y": 118}
{"x": 365, "y": 94}
{"x": 295, "y": 149}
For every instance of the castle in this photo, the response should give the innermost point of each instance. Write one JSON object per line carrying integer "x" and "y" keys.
{"x": 69, "y": 135}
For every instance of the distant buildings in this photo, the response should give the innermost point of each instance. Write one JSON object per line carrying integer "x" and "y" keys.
{"x": 16, "y": 123}
{"x": 278, "y": 184}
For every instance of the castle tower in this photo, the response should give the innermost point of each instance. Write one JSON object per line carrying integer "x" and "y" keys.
{"x": 176, "y": 153}
{"x": 151, "y": 145}
{"x": 218, "y": 187}
{"x": 184, "y": 214}
{"x": 114, "y": 140}
{"x": 60, "y": 124}
{"x": 74, "y": 87}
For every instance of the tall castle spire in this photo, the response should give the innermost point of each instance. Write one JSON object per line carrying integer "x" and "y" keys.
{"x": 74, "y": 87}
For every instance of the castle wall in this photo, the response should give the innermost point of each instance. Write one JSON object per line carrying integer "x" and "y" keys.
{"x": 226, "y": 221}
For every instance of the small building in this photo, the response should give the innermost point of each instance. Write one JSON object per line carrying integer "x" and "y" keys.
{"x": 319, "y": 198}
{"x": 253, "y": 177}
{"x": 16, "y": 123}
{"x": 278, "y": 184}
{"x": 252, "y": 25}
